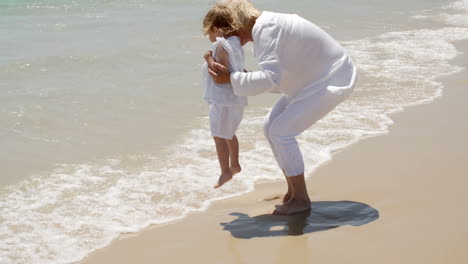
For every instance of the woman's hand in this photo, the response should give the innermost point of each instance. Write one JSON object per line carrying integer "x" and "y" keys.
{"x": 218, "y": 72}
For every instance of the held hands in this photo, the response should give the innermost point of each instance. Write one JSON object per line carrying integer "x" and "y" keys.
{"x": 218, "y": 72}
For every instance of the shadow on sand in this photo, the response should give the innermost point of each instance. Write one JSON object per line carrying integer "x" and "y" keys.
{"x": 322, "y": 216}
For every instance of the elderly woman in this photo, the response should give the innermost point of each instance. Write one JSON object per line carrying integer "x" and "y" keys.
{"x": 301, "y": 61}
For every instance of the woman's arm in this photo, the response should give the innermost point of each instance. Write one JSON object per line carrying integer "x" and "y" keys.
{"x": 251, "y": 83}
{"x": 268, "y": 78}
{"x": 244, "y": 83}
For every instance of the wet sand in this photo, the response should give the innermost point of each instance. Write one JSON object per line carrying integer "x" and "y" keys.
{"x": 396, "y": 198}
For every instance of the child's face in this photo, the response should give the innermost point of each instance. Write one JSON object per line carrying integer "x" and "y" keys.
{"x": 214, "y": 33}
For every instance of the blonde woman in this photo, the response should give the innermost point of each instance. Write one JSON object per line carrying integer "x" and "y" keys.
{"x": 311, "y": 70}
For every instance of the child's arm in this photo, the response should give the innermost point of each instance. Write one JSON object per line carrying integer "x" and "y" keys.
{"x": 223, "y": 56}
{"x": 215, "y": 68}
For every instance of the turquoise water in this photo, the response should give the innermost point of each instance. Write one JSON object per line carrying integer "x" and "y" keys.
{"x": 102, "y": 125}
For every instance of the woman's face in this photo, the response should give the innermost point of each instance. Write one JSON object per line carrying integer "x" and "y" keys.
{"x": 245, "y": 36}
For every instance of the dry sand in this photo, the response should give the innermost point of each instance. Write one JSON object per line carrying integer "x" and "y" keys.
{"x": 406, "y": 189}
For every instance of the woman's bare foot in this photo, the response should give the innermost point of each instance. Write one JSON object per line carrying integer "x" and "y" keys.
{"x": 286, "y": 197}
{"x": 292, "y": 206}
{"x": 223, "y": 178}
{"x": 235, "y": 169}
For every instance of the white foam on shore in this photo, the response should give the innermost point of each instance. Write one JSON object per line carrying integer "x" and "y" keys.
{"x": 76, "y": 209}
{"x": 457, "y": 14}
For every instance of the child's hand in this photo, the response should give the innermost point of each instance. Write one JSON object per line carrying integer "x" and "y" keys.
{"x": 208, "y": 54}
{"x": 210, "y": 61}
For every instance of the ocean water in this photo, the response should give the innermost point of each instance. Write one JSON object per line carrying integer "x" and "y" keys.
{"x": 103, "y": 130}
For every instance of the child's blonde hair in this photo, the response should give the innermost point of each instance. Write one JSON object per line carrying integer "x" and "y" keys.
{"x": 220, "y": 16}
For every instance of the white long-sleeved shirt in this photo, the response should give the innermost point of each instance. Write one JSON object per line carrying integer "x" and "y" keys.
{"x": 223, "y": 94}
{"x": 292, "y": 53}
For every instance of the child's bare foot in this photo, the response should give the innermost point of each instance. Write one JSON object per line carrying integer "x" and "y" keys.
{"x": 225, "y": 177}
{"x": 235, "y": 169}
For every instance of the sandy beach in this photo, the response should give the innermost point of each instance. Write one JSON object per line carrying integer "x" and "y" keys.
{"x": 396, "y": 198}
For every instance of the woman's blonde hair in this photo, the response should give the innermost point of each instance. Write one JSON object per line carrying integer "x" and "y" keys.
{"x": 220, "y": 16}
{"x": 243, "y": 11}
{"x": 230, "y": 15}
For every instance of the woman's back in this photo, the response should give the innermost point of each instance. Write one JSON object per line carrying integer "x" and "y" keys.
{"x": 296, "y": 44}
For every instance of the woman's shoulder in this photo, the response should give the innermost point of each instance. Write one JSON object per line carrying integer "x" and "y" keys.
{"x": 268, "y": 22}
{"x": 268, "y": 16}
{"x": 272, "y": 23}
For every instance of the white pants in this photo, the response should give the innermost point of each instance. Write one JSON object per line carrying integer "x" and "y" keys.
{"x": 225, "y": 119}
{"x": 290, "y": 116}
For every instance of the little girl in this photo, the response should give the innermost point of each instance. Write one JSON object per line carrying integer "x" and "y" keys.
{"x": 226, "y": 109}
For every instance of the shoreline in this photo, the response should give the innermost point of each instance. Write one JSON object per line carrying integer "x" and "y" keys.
{"x": 389, "y": 173}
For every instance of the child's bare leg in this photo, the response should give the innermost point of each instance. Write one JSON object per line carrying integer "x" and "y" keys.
{"x": 233, "y": 146}
{"x": 222, "y": 150}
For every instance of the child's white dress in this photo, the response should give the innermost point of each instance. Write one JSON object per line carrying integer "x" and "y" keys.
{"x": 226, "y": 108}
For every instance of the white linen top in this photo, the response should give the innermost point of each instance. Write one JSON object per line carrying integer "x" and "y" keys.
{"x": 292, "y": 53}
{"x": 223, "y": 94}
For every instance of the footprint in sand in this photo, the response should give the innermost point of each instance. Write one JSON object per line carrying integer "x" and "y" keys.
{"x": 271, "y": 198}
